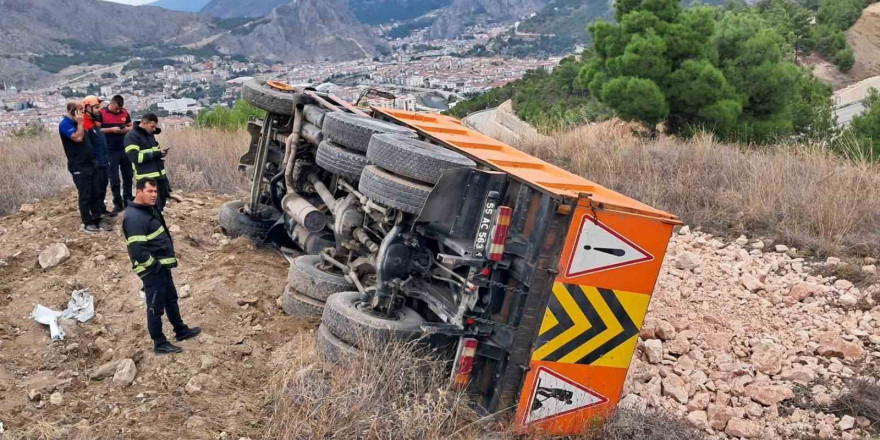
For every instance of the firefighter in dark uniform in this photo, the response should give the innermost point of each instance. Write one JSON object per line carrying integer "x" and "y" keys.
{"x": 152, "y": 256}
{"x": 147, "y": 159}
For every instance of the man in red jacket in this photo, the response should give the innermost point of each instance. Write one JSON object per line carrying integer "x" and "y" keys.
{"x": 115, "y": 123}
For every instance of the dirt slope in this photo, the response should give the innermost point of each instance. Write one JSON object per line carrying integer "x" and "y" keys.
{"x": 232, "y": 295}
{"x": 864, "y": 38}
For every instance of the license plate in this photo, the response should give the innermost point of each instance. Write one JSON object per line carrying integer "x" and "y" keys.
{"x": 484, "y": 229}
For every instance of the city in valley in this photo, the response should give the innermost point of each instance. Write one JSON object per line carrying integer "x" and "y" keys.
{"x": 422, "y": 75}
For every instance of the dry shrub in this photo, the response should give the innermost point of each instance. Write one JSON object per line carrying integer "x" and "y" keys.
{"x": 206, "y": 160}
{"x": 395, "y": 392}
{"x": 801, "y": 195}
{"x": 628, "y": 424}
{"x": 861, "y": 399}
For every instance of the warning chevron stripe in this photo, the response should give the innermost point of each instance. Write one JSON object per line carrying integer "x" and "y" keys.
{"x": 584, "y": 324}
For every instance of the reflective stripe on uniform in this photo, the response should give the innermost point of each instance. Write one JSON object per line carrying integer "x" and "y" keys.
{"x": 155, "y": 175}
{"x": 146, "y": 238}
{"x": 167, "y": 261}
{"x": 144, "y": 266}
{"x": 132, "y": 147}
{"x": 143, "y": 152}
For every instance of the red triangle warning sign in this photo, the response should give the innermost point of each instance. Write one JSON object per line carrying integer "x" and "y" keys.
{"x": 598, "y": 248}
{"x": 555, "y": 395}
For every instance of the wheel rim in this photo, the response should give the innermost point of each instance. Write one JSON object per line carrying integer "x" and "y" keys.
{"x": 364, "y": 308}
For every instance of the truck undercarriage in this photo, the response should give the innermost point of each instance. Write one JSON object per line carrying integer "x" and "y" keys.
{"x": 402, "y": 237}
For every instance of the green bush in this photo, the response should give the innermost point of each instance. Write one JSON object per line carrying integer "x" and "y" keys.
{"x": 225, "y": 118}
{"x": 845, "y": 59}
{"x": 865, "y": 128}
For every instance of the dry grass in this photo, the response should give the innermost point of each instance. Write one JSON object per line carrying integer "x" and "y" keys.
{"x": 392, "y": 393}
{"x": 800, "y": 195}
{"x": 861, "y": 399}
{"x": 398, "y": 392}
{"x": 36, "y": 168}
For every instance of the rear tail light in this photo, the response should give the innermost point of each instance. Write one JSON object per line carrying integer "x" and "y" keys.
{"x": 499, "y": 234}
{"x": 464, "y": 364}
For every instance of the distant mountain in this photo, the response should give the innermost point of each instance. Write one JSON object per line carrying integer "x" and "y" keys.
{"x": 181, "y": 5}
{"x": 304, "y": 30}
{"x": 242, "y": 8}
{"x": 455, "y": 18}
{"x": 384, "y": 11}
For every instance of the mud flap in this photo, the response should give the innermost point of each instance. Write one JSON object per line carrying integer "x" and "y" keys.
{"x": 454, "y": 206}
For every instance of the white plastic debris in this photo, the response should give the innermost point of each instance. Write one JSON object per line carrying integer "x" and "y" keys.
{"x": 81, "y": 307}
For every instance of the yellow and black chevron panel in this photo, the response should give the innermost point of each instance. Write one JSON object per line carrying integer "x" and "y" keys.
{"x": 591, "y": 326}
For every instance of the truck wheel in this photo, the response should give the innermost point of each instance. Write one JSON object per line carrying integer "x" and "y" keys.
{"x": 345, "y": 318}
{"x": 235, "y": 223}
{"x": 300, "y": 306}
{"x": 334, "y": 350}
{"x": 392, "y": 190}
{"x": 338, "y": 160}
{"x": 267, "y": 98}
{"x": 352, "y": 131}
{"x": 413, "y": 158}
{"x": 307, "y": 277}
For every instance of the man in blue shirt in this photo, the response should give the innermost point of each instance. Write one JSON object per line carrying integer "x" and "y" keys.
{"x": 81, "y": 165}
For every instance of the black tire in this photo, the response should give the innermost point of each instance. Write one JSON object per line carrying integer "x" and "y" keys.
{"x": 300, "y": 306}
{"x": 308, "y": 279}
{"x": 354, "y": 132}
{"x": 267, "y": 98}
{"x": 235, "y": 223}
{"x": 338, "y": 160}
{"x": 333, "y": 350}
{"x": 344, "y": 318}
{"x": 413, "y": 158}
{"x": 392, "y": 190}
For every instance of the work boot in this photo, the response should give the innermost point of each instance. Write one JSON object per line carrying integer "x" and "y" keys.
{"x": 188, "y": 333}
{"x": 111, "y": 214}
{"x": 117, "y": 209}
{"x": 91, "y": 229}
{"x": 166, "y": 348}
{"x": 105, "y": 225}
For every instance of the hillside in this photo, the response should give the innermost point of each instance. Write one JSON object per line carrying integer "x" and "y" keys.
{"x": 181, "y": 5}
{"x": 864, "y": 38}
{"x": 289, "y": 33}
{"x": 241, "y": 8}
{"x": 453, "y": 19}
{"x": 745, "y": 336}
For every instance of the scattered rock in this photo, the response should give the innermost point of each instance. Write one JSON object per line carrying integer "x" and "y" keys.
{"x": 685, "y": 230}
{"x": 768, "y": 395}
{"x": 103, "y": 344}
{"x": 799, "y": 374}
{"x": 781, "y": 248}
{"x": 654, "y": 351}
{"x": 104, "y": 371}
{"x": 634, "y": 402}
{"x": 27, "y": 208}
{"x": 843, "y": 285}
{"x": 848, "y": 300}
{"x": 832, "y": 345}
{"x": 56, "y": 398}
{"x": 698, "y": 418}
{"x": 744, "y": 428}
{"x": 846, "y": 423}
{"x": 201, "y": 382}
{"x": 687, "y": 261}
{"x": 758, "y": 245}
{"x": 674, "y": 387}
{"x": 801, "y": 291}
{"x": 767, "y": 357}
{"x": 126, "y": 371}
{"x": 208, "y": 362}
{"x": 54, "y": 255}
{"x": 751, "y": 283}
{"x": 185, "y": 291}
{"x": 870, "y": 268}
{"x": 832, "y": 261}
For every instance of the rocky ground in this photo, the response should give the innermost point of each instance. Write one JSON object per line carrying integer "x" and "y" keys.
{"x": 103, "y": 381}
{"x": 744, "y": 339}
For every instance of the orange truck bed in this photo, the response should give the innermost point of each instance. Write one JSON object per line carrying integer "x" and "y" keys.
{"x": 607, "y": 271}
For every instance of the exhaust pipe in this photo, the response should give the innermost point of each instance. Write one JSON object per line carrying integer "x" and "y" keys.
{"x": 303, "y": 212}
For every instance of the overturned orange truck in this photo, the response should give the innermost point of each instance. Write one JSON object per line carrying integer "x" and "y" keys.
{"x": 533, "y": 281}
